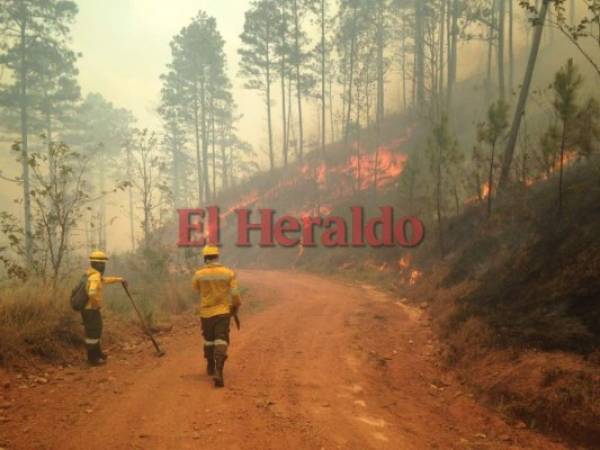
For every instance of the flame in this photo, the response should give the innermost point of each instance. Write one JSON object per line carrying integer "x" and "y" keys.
{"x": 404, "y": 262}
{"x": 244, "y": 203}
{"x": 569, "y": 157}
{"x": 384, "y": 164}
{"x": 383, "y": 267}
{"x": 415, "y": 275}
{"x": 485, "y": 190}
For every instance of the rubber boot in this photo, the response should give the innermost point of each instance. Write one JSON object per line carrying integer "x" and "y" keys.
{"x": 219, "y": 365}
{"x": 209, "y": 354}
{"x": 103, "y": 356}
{"x": 90, "y": 354}
{"x": 96, "y": 356}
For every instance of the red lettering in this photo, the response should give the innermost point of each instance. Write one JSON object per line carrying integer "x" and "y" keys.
{"x": 308, "y": 231}
{"x": 284, "y": 225}
{"x": 357, "y": 226}
{"x": 187, "y": 227}
{"x": 265, "y": 226}
{"x": 385, "y": 222}
{"x": 417, "y": 231}
{"x": 213, "y": 225}
{"x": 335, "y": 236}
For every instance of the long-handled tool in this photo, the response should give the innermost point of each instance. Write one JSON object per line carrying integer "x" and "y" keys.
{"x": 145, "y": 326}
{"x": 236, "y": 319}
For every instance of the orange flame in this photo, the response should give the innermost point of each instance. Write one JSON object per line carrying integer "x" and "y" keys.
{"x": 485, "y": 190}
{"x": 415, "y": 275}
{"x": 404, "y": 262}
{"x": 383, "y": 165}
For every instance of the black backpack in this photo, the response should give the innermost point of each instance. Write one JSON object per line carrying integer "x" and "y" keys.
{"x": 79, "y": 295}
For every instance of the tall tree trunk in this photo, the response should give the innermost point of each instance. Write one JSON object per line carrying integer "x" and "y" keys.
{"x": 213, "y": 148}
{"x": 351, "y": 79}
{"x": 323, "y": 53}
{"x": 522, "y": 102}
{"x": 438, "y": 195}
{"x": 204, "y": 128}
{"x": 414, "y": 81}
{"x": 511, "y": 50}
{"x": 456, "y": 200}
{"x": 284, "y": 149}
{"x": 367, "y": 100}
{"x": 88, "y": 239}
{"x": 433, "y": 63}
{"x": 491, "y": 32}
{"x": 289, "y": 113}
{"x": 500, "y": 53}
{"x": 344, "y": 76}
{"x": 103, "y": 224}
{"x": 231, "y": 167}
{"x": 23, "y": 101}
{"x": 404, "y": 104}
{"x": 224, "y": 162}
{"x": 52, "y": 174}
{"x": 444, "y": 12}
{"x": 491, "y": 180}
{"x": 197, "y": 141}
{"x": 146, "y": 198}
{"x": 524, "y": 163}
{"x": 331, "y": 121}
{"x": 357, "y": 127}
{"x": 420, "y": 51}
{"x": 562, "y": 163}
{"x": 268, "y": 88}
{"x": 298, "y": 78}
{"x": 380, "y": 61}
{"x": 130, "y": 194}
{"x": 176, "y": 168}
{"x": 51, "y": 171}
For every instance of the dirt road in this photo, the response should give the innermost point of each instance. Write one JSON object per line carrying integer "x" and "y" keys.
{"x": 321, "y": 365}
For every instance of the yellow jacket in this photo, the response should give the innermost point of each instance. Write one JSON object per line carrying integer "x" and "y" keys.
{"x": 94, "y": 287}
{"x": 218, "y": 289}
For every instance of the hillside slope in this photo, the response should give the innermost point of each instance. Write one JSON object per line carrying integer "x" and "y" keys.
{"x": 514, "y": 297}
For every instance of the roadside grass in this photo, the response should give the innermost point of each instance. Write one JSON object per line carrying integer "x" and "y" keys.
{"x": 36, "y": 321}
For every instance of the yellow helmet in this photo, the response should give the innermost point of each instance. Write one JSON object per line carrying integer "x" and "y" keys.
{"x": 210, "y": 250}
{"x": 98, "y": 256}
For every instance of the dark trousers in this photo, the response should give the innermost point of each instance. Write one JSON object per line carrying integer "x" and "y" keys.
{"x": 92, "y": 324}
{"x": 215, "y": 331}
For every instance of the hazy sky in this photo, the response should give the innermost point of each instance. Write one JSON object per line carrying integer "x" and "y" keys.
{"x": 125, "y": 46}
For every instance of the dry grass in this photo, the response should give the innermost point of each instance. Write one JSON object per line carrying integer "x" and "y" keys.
{"x": 36, "y": 321}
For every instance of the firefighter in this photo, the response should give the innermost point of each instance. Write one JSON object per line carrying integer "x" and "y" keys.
{"x": 92, "y": 318}
{"x": 219, "y": 301}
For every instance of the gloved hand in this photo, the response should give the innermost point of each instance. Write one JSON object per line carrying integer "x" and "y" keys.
{"x": 124, "y": 283}
{"x": 234, "y": 310}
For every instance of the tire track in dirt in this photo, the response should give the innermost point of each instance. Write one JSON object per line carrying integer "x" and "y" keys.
{"x": 326, "y": 364}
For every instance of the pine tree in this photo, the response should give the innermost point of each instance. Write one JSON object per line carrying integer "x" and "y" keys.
{"x": 491, "y": 132}
{"x": 198, "y": 63}
{"x": 567, "y": 82}
{"x": 99, "y": 130}
{"x": 26, "y": 23}
{"x": 258, "y": 54}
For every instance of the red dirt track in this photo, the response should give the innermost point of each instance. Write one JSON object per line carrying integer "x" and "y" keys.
{"x": 323, "y": 364}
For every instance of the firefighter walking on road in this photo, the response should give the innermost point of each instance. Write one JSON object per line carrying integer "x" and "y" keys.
{"x": 219, "y": 301}
{"x": 91, "y": 315}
